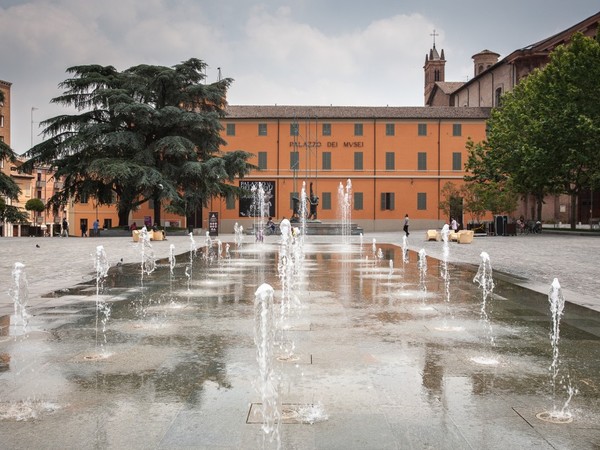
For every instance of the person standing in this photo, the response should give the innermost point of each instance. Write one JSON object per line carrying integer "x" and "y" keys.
{"x": 454, "y": 225}
{"x": 406, "y": 222}
{"x": 65, "y": 228}
{"x": 96, "y": 226}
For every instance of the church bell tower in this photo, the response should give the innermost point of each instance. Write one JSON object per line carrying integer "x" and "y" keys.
{"x": 434, "y": 68}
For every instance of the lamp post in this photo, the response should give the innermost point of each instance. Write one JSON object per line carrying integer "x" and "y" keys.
{"x": 33, "y": 108}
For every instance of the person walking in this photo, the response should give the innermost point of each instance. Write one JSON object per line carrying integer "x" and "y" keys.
{"x": 405, "y": 228}
{"x": 454, "y": 225}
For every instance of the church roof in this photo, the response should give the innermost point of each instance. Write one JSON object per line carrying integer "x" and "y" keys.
{"x": 448, "y": 87}
{"x": 548, "y": 44}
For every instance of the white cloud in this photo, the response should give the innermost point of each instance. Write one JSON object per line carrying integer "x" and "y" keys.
{"x": 291, "y": 62}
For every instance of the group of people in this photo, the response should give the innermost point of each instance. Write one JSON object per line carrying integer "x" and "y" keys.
{"x": 84, "y": 228}
{"x": 453, "y": 224}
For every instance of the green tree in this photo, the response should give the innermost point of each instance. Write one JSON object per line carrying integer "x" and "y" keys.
{"x": 544, "y": 138}
{"x": 147, "y": 133}
{"x": 11, "y": 213}
{"x": 451, "y": 202}
{"x": 490, "y": 185}
{"x": 35, "y": 204}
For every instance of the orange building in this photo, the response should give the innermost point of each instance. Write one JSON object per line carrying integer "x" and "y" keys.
{"x": 397, "y": 158}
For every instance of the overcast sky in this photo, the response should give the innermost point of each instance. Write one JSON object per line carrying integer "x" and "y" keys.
{"x": 306, "y": 52}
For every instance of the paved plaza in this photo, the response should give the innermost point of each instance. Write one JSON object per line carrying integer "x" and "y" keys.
{"x": 533, "y": 260}
{"x": 169, "y": 361}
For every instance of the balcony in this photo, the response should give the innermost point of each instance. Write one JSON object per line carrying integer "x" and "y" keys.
{"x": 40, "y": 184}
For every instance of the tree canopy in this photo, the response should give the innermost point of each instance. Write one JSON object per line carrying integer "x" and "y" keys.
{"x": 146, "y": 133}
{"x": 544, "y": 138}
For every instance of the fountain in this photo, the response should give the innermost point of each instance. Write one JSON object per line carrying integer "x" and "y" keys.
{"x": 20, "y": 295}
{"x": 368, "y": 351}
{"x": 557, "y": 305}
{"x": 103, "y": 308}
{"x": 404, "y": 250}
{"x": 485, "y": 281}
{"x": 422, "y": 265}
{"x": 264, "y": 334}
{"x": 345, "y": 210}
{"x": 444, "y": 265}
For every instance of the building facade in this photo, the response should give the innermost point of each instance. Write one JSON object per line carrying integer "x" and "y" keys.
{"x": 397, "y": 159}
{"x": 492, "y": 77}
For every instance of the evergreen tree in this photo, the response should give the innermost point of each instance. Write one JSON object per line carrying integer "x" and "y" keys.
{"x": 147, "y": 133}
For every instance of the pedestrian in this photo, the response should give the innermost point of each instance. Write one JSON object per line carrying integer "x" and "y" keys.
{"x": 454, "y": 225}
{"x": 405, "y": 228}
{"x": 83, "y": 229}
{"x": 96, "y": 227}
{"x": 65, "y": 228}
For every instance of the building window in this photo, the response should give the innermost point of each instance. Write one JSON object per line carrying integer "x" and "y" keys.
{"x": 107, "y": 224}
{"x": 326, "y": 130}
{"x": 390, "y": 161}
{"x": 151, "y": 203}
{"x": 358, "y": 129}
{"x": 84, "y": 199}
{"x": 436, "y": 75}
{"x": 387, "y": 201}
{"x": 499, "y": 97}
{"x": 421, "y": 201}
{"x": 422, "y": 129}
{"x": 457, "y": 129}
{"x": 230, "y": 202}
{"x": 230, "y": 129}
{"x": 358, "y": 201}
{"x": 293, "y": 195}
{"x": 422, "y": 161}
{"x": 390, "y": 129}
{"x": 325, "y": 200}
{"x": 456, "y": 161}
{"x": 262, "y": 160}
{"x": 294, "y": 160}
{"x": 262, "y": 129}
{"x": 326, "y": 160}
{"x": 358, "y": 160}
{"x": 294, "y": 128}
{"x": 1, "y": 121}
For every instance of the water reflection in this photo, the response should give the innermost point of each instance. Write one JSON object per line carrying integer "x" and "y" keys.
{"x": 171, "y": 347}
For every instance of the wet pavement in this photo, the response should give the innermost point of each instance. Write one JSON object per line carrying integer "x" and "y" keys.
{"x": 385, "y": 364}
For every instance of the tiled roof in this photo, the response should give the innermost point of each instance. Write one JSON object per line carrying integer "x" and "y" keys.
{"x": 354, "y": 112}
{"x": 448, "y": 87}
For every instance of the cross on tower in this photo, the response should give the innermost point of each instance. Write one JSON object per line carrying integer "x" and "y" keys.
{"x": 434, "y": 34}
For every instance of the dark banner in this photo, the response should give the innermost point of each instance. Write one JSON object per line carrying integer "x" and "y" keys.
{"x": 213, "y": 223}
{"x": 250, "y": 202}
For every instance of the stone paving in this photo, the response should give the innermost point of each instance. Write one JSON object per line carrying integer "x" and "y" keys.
{"x": 532, "y": 261}
{"x": 385, "y": 381}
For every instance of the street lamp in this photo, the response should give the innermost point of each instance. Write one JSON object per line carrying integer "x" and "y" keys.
{"x": 33, "y": 108}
